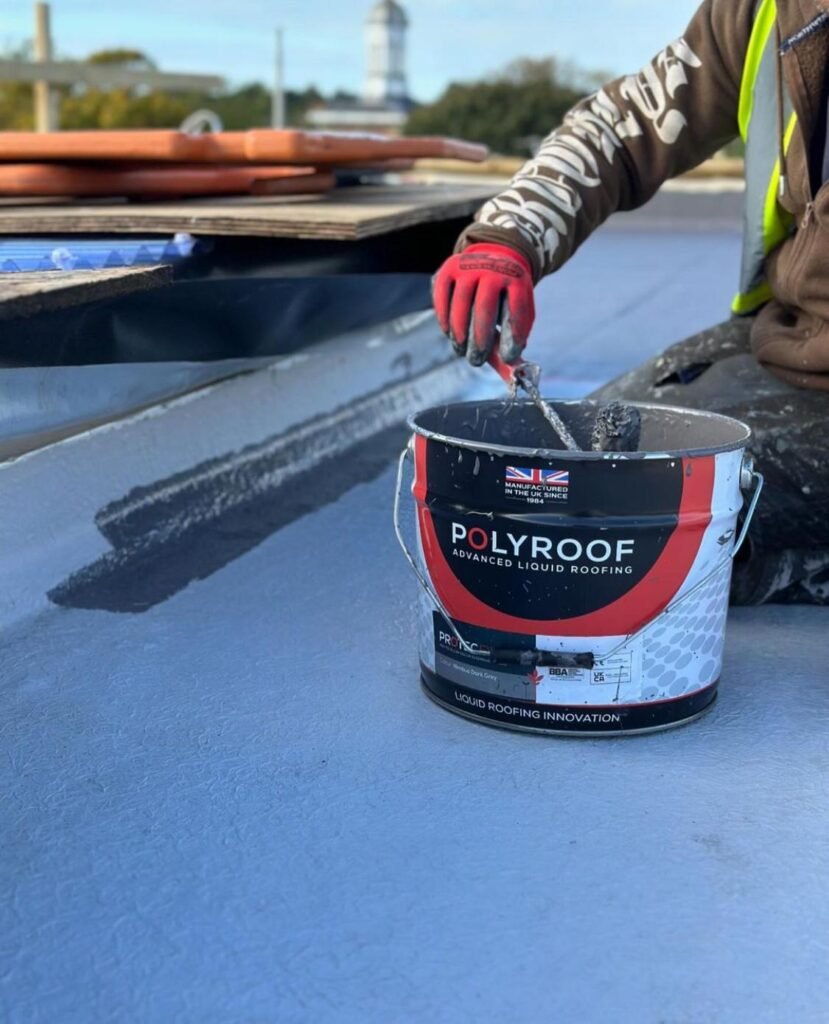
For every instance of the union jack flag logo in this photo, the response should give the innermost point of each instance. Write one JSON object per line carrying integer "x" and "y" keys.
{"x": 538, "y": 477}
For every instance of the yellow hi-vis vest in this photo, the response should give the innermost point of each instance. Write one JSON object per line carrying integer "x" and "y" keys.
{"x": 767, "y": 224}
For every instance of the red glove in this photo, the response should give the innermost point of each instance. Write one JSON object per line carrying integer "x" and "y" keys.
{"x": 483, "y": 297}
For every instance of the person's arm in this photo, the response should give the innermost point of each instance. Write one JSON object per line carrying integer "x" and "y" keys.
{"x": 613, "y": 152}
{"x": 618, "y": 146}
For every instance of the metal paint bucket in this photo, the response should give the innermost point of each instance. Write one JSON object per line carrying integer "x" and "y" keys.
{"x": 583, "y": 593}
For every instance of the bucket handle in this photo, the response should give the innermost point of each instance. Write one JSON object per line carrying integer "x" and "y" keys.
{"x": 749, "y": 476}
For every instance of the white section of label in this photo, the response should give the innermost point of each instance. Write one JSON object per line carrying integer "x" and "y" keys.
{"x": 615, "y": 671}
{"x": 614, "y": 680}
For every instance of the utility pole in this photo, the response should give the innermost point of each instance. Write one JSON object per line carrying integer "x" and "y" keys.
{"x": 46, "y": 114}
{"x": 278, "y": 99}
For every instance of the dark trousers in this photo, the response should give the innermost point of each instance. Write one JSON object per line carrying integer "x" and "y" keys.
{"x": 787, "y": 558}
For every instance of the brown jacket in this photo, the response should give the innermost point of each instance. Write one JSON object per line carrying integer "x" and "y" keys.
{"x": 618, "y": 146}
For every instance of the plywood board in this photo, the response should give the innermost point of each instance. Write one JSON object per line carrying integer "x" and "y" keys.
{"x": 23, "y": 294}
{"x": 347, "y": 215}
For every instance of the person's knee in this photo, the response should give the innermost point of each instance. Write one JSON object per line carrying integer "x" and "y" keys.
{"x": 668, "y": 377}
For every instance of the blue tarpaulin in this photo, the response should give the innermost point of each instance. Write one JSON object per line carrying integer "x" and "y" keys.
{"x": 19, "y": 255}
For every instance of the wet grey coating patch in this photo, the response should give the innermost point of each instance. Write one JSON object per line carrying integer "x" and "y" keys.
{"x": 189, "y": 526}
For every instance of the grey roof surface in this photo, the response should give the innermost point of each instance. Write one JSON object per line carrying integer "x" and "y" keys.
{"x": 238, "y": 805}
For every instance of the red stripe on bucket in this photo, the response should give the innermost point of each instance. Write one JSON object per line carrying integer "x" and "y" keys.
{"x": 640, "y": 605}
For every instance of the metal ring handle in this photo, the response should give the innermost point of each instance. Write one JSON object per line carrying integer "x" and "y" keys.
{"x": 759, "y": 483}
{"x": 401, "y": 540}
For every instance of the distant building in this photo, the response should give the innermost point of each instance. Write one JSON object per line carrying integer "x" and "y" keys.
{"x": 386, "y": 55}
{"x": 385, "y": 104}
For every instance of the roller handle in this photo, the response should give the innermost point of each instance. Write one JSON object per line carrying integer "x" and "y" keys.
{"x": 509, "y": 373}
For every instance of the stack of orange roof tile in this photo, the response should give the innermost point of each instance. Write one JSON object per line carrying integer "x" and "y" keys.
{"x": 161, "y": 163}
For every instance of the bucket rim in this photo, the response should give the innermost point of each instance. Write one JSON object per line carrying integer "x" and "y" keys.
{"x": 740, "y": 444}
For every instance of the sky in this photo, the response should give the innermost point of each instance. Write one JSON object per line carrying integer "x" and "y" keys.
{"x": 449, "y": 40}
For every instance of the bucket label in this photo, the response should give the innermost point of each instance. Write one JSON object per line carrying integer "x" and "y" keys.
{"x": 612, "y": 697}
{"x": 575, "y": 719}
{"x": 536, "y": 486}
{"x": 614, "y": 680}
{"x": 594, "y": 548}
{"x": 536, "y": 571}
{"x": 454, "y": 663}
{"x": 617, "y": 679}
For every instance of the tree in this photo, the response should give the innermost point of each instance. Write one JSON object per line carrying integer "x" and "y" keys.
{"x": 137, "y": 107}
{"x": 135, "y": 60}
{"x": 250, "y": 106}
{"x": 17, "y": 98}
{"x": 122, "y": 108}
{"x": 141, "y": 107}
{"x": 509, "y": 112}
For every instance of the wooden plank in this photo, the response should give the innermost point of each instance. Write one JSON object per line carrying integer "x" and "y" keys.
{"x": 105, "y": 76}
{"x": 345, "y": 215}
{"x": 25, "y": 294}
